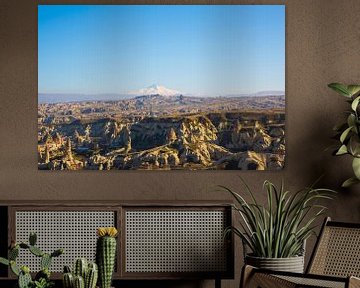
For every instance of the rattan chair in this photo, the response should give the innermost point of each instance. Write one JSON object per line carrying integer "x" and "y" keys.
{"x": 335, "y": 262}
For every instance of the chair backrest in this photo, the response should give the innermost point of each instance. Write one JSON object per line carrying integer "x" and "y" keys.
{"x": 337, "y": 251}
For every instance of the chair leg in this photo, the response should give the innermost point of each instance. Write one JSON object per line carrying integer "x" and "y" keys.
{"x": 246, "y": 274}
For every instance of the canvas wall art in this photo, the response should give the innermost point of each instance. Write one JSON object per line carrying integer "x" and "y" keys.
{"x": 161, "y": 87}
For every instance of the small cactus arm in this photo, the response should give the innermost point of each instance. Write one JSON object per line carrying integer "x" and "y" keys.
{"x": 32, "y": 238}
{"x": 43, "y": 274}
{"x": 24, "y": 245}
{"x": 57, "y": 253}
{"x": 79, "y": 282}
{"x": 91, "y": 276}
{"x": 45, "y": 261}
{"x": 68, "y": 280}
{"x": 36, "y": 251}
{"x": 13, "y": 253}
{"x": 106, "y": 254}
{"x": 80, "y": 267}
{"x": 67, "y": 269}
{"x": 14, "y": 268}
{"x": 24, "y": 280}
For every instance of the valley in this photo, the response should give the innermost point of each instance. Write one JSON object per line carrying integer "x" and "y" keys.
{"x": 163, "y": 132}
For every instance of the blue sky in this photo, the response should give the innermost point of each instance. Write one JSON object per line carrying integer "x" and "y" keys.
{"x": 197, "y": 49}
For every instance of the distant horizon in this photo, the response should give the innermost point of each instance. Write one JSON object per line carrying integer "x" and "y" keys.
{"x": 80, "y": 97}
{"x": 200, "y": 50}
{"x": 148, "y": 86}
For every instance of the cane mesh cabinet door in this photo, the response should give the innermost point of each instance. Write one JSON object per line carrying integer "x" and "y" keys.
{"x": 171, "y": 242}
{"x": 74, "y": 230}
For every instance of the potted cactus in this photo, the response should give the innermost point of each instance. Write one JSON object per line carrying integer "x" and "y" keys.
{"x": 106, "y": 254}
{"x": 42, "y": 278}
{"x": 85, "y": 275}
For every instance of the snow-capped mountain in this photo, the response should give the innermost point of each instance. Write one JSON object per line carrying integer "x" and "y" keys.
{"x": 270, "y": 92}
{"x": 155, "y": 90}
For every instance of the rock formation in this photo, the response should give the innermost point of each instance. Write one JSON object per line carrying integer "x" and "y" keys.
{"x": 156, "y": 132}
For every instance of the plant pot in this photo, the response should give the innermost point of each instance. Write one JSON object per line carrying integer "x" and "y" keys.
{"x": 291, "y": 264}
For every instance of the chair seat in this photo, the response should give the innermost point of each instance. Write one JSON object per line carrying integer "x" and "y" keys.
{"x": 314, "y": 282}
{"x": 263, "y": 278}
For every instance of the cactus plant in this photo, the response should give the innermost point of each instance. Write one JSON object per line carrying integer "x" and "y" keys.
{"x": 79, "y": 282}
{"x": 45, "y": 261}
{"x": 43, "y": 274}
{"x": 80, "y": 268}
{"x": 91, "y": 276}
{"x": 57, "y": 253}
{"x": 24, "y": 280}
{"x": 13, "y": 253}
{"x": 42, "y": 283}
{"x": 32, "y": 239}
{"x": 106, "y": 254}
{"x": 84, "y": 274}
{"x": 36, "y": 251}
{"x": 14, "y": 268}
{"x": 42, "y": 278}
{"x": 67, "y": 269}
{"x": 68, "y": 280}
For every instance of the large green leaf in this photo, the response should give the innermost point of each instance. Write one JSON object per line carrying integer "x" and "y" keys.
{"x": 351, "y": 120}
{"x": 342, "y": 150}
{"x": 349, "y": 182}
{"x": 345, "y": 134}
{"x": 356, "y": 167}
{"x": 340, "y": 88}
{"x": 354, "y": 145}
{"x": 353, "y": 89}
{"x": 341, "y": 127}
{"x": 355, "y": 103}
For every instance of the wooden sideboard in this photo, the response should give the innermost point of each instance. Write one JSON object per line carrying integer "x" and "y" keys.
{"x": 157, "y": 240}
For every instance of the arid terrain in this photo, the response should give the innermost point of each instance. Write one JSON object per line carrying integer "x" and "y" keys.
{"x": 162, "y": 132}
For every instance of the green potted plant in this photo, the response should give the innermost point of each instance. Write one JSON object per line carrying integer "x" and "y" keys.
{"x": 348, "y": 132}
{"x": 84, "y": 274}
{"x": 42, "y": 278}
{"x": 276, "y": 233}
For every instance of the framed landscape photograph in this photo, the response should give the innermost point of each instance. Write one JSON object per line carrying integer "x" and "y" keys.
{"x": 161, "y": 87}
